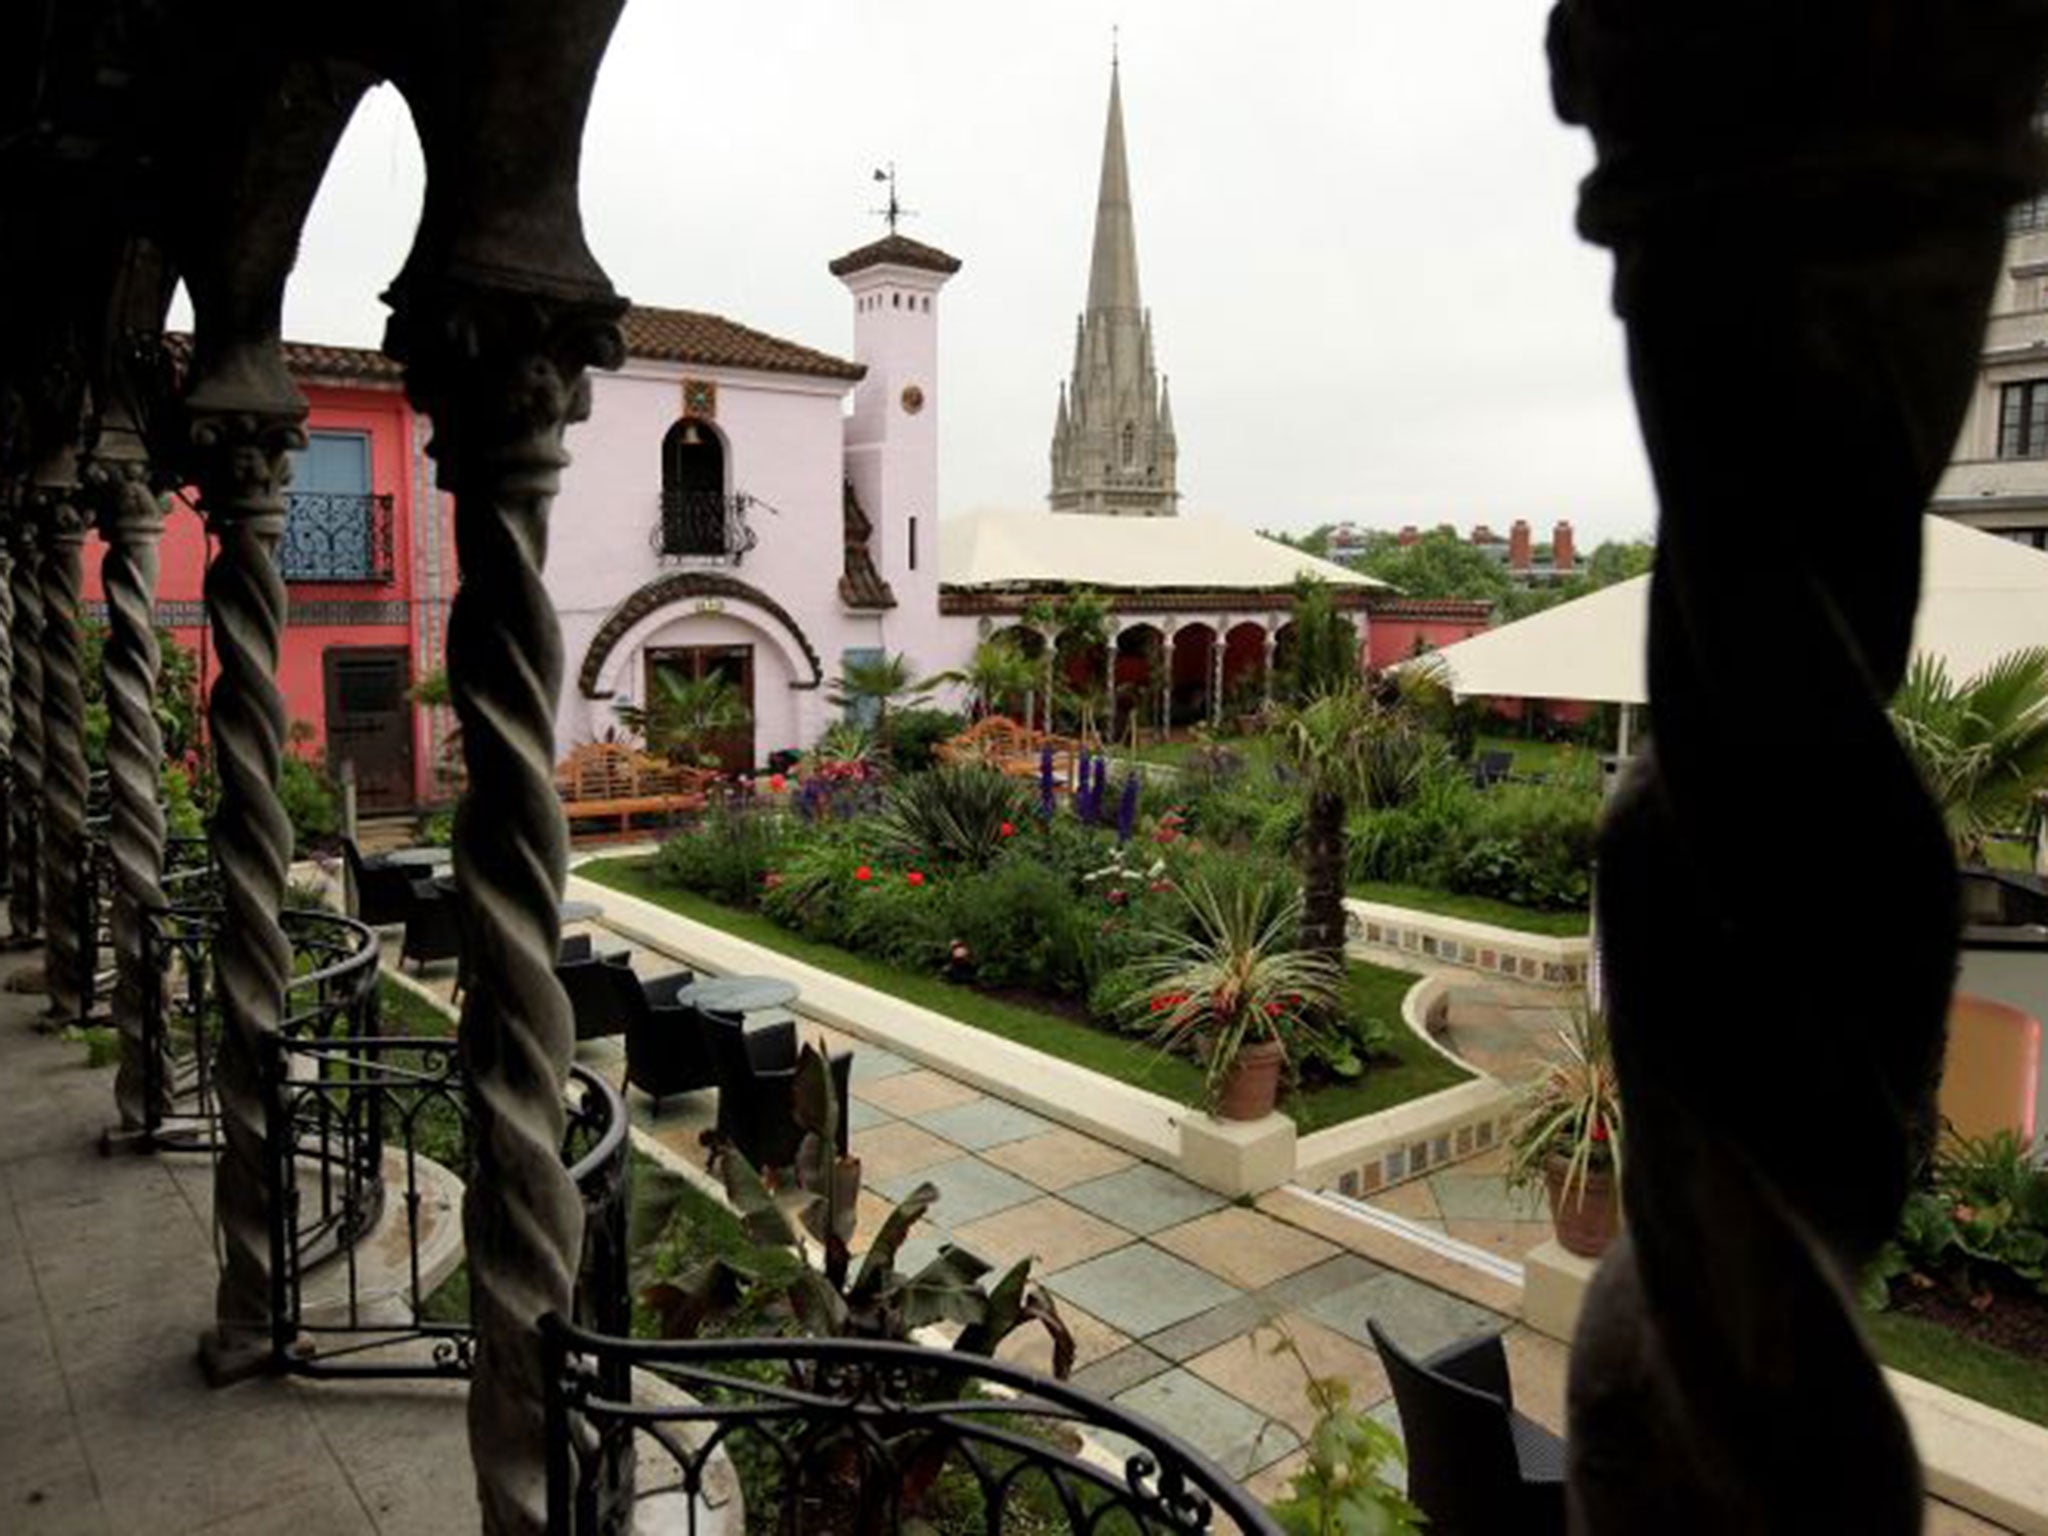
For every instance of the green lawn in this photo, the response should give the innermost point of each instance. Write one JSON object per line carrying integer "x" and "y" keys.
{"x": 1413, "y": 1070}
{"x": 1920, "y": 1348}
{"x": 405, "y": 1012}
{"x": 1478, "y": 909}
{"x": 1547, "y": 757}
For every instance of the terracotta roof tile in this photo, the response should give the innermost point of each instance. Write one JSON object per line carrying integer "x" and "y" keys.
{"x": 690, "y": 336}
{"x": 894, "y": 250}
{"x": 313, "y": 359}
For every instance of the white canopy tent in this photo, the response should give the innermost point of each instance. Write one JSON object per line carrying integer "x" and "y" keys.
{"x": 1980, "y": 597}
{"x": 1034, "y": 549}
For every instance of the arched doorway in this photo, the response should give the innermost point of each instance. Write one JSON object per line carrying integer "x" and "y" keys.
{"x": 1244, "y": 670}
{"x": 1194, "y": 675}
{"x": 693, "y": 502}
{"x": 1139, "y": 682}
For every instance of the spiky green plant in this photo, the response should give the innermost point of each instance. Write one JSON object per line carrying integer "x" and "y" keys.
{"x": 684, "y": 715}
{"x": 868, "y": 687}
{"x": 956, "y": 812}
{"x": 998, "y": 676}
{"x": 1572, "y": 1111}
{"x": 1232, "y": 973}
{"x": 1981, "y": 746}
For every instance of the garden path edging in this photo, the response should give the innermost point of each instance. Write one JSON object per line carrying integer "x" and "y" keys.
{"x": 1536, "y": 959}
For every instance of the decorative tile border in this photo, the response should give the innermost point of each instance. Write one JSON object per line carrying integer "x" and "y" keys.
{"x": 1535, "y": 958}
{"x": 1415, "y": 1139}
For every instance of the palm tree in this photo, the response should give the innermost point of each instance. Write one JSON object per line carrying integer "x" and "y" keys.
{"x": 1981, "y": 746}
{"x": 1348, "y": 750}
{"x": 683, "y": 714}
{"x": 877, "y": 683}
{"x": 999, "y": 674}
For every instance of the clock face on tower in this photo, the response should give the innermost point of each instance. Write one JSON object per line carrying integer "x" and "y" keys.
{"x": 913, "y": 399}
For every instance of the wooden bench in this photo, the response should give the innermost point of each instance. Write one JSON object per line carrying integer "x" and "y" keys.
{"x": 998, "y": 742}
{"x": 606, "y": 780}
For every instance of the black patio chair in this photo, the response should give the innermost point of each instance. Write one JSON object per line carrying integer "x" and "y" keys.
{"x": 383, "y": 891}
{"x": 666, "y": 1049}
{"x": 608, "y": 999}
{"x": 432, "y": 930}
{"x": 1491, "y": 768}
{"x": 757, "y": 1088}
{"x": 1475, "y": 1466}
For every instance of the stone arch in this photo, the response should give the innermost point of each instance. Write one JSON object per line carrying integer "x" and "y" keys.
{"x": 686, "y": 586}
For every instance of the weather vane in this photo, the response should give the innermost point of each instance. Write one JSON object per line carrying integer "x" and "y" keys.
{"x": 895, "y": 210}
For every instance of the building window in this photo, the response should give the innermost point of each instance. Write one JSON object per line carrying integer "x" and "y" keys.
{"x": 895, "y": 301}
{"x": 335, "y": 528}
{"x": 913, "y": 544}
{"x": 1130, "y": 445}
{"x": 698, "y": 517}
{"x": 2023, "y": 420}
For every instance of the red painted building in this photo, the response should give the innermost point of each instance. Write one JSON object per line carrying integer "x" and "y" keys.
{"x": 369, "y": 562}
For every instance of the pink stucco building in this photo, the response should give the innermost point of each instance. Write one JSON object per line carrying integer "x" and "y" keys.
{"x": 744, "y": 506}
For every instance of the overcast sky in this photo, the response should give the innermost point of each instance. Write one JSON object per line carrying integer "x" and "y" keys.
{"x": 1354, "y": 233}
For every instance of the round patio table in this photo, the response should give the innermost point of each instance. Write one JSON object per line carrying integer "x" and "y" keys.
{"x": 737, "y": 994}
{"x": 420, "y": 858}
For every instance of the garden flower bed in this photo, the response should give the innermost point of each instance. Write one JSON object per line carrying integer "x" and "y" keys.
{"x": 1409, "y": 1069}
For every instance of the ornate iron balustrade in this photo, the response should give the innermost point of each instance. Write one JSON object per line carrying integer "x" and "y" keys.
{"x": 370, "y": 1119}
{"x": 704, "y": 525}
{"x": 336, "y": 536}
{"x": 853, "y": 1435}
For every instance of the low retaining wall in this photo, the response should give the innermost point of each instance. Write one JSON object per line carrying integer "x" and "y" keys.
{"x": 1362, "y": 1157}
{"x": 1535, "y": 958}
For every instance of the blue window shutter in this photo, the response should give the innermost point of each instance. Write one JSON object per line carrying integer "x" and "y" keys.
{"x": 336, "y": 462}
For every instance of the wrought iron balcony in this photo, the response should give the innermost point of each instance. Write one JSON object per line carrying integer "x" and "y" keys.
{"x": 338, "y": 536}
{"x": 703, "y": 525}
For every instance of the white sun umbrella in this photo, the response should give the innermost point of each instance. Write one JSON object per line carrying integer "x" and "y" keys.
{"x": 1981, "y": 596}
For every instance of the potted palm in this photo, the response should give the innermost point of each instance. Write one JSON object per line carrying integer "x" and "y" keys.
{"x": 1233, "y": 986}
{"x": 1567, "y": 1135}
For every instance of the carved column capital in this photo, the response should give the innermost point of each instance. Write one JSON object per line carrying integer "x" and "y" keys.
{"x": 124, "y": 502}
{"x": 238, "y": 462}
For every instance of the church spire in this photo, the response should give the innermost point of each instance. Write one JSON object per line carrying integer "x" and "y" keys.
{"x": 1113, "y": 275}
{"x": 1114, "y": 451}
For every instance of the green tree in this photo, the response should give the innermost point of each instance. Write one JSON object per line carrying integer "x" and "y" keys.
{"x": 870, "y": 686}
{"x": 1617, "y": 560}
{"x": 1348, "y": 749}
{"x": 1324, "y": 658}
{"x": 1981, "y": 746}
{"x": 683, "y": 715}
{"x": 1315, "y": 542}
{"x": 1439, "y": 564}
{"x": 1079, "y": 621}
{"x": 997, "y": 676}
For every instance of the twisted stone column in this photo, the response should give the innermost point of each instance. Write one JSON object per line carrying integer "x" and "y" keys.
{"x": 1166, "y": 685}
{"x": 25, "y": 590}
{"x": 502, "y": 376}
{"x": 1806, "y": 205}
{"x": 6, "y": 718}
{"x": 131, "y": 522}
{"x": 66, "y": 859}
{"x": 241, "y": 472}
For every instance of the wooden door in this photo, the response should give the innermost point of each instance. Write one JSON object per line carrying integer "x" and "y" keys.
{"x": 734, "y": 749}
{"x": 370, "y": 722}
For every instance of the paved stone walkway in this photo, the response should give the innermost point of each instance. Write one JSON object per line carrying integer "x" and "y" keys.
{"x": 106, "y": 1280}
{"x": 1171, "y": 1291}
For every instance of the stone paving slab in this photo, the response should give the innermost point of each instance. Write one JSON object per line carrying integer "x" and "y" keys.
{"x": 1486, "y": 1197}
{"x": 968, "y": 1189}
{"x": 913, "y": 1092}
{"x": 1418, "y": 1317}
{"x": 1238, "y": 1437}
{"x": 1144, "y": 1198}
{"x": 1139, "y": 1289}
{"x": 1253, "y": 1368}
{"x": 1125, "y": 1368}
{"x": 980, "y": 1124}
{"x": 1047, "y": 1230}
{"x": 1247, "y": 1248}
{"x": 1059, "y": 1158}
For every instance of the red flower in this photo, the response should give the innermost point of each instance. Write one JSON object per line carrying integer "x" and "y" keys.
{"x": 1158, "y": 1005}
{"x": 1161, "y": 885}
{"x": 915, "y": 878}
{"x": 1118, "y": 897}
{"x": 864, "y": 873}
{"x": 1273, "y": 1010}
{"x": 1006, "y": 830}
{"x": 777, "y": 782}
{"x": 771, "y": 880}
{"x": 1599, "y": 1130}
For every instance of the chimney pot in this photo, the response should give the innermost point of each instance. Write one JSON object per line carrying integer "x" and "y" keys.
{"x": 1519, "y": 550}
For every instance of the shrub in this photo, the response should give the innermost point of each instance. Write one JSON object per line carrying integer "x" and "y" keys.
{"x": 901, "y": 915}
{"x": 912, "y": 736}
{"x": 309, "y": 796}
{"x": 1530, "y": 844}
{"x": 1023, "y": 926}
{"x": 955, "y": 815}
{"x": 726, "y": 855}
{"x": 1983, "y": 1211}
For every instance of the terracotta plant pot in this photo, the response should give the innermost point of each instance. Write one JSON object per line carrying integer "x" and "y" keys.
{"x": 1586, "y": 1224}
{"x": 1252, "y": 1086}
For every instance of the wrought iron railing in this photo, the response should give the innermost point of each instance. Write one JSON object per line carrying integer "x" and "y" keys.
{"x": 704, "y": 525}
{"x": 857, "y": 1436}
{"x": 378, "y": 1124}
{"x": 337, "y": 536}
